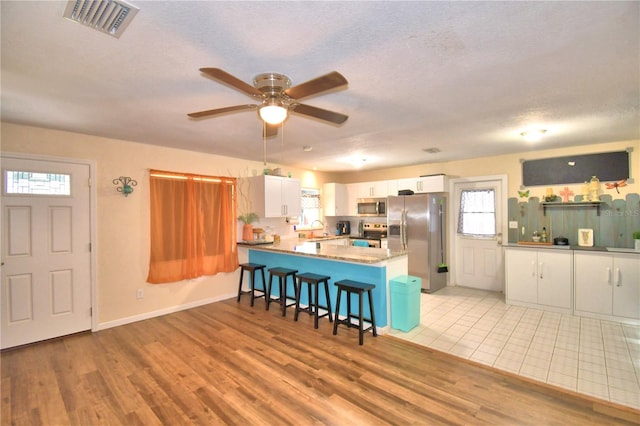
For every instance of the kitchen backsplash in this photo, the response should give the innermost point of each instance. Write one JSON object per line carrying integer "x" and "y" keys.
{"x": 613, "y": 227}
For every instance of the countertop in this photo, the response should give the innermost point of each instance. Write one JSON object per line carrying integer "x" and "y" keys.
{"x": 575, "y": 248}
{"x": 334, "y": 252}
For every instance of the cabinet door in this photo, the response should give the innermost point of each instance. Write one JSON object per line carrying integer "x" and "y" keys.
{"x": 392, "y": 187}
{"x": 334, "y": 199}
{"x": 436, "y": 183}
{"x": 593, "y": 280}
{"x": 273, "y": 205}
{"x": 412, "y": 184}
{"x": 521, "y": 275}
{"x": 373, "y": 189}
{"x": 555, "y": 278}
{"x": 626, "y": 290}
{"x": 291, "y": 197}
{"x": 352, "y": 199}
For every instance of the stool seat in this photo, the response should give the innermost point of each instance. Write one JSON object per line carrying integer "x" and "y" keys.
{"x": 282, "y": 274}
{"x": 359, "y": 288}
{"x": 252, "y": 268}
{"x": 313, "y": 280}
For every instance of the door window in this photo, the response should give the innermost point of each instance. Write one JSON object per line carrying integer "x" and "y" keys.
{"x": 34, "y": 183}
{"x": 477, "y": 215}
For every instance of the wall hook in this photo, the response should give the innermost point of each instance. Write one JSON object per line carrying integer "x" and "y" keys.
{"x": 127, "y": 185}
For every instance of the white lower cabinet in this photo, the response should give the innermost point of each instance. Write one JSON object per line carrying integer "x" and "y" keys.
{"x": 607, "y": 285}
{"x": 336, "y": 242}
{"x": 539, "y": 278}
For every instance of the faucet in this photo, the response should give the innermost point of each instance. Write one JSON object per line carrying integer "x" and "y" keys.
{"x": 319, "y": 221}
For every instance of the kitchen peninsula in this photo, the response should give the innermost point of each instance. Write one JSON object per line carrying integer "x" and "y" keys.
{"x": 372, "y": 265}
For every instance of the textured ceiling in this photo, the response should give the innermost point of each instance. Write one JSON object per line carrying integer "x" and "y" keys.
{"x": 464, "y": 77}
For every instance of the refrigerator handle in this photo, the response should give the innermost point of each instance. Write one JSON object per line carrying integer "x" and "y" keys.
{"x": 403, "y": 229}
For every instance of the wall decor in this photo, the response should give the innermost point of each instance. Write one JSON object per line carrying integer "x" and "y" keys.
{"x": 126, "y": 185}
{"x": 616, "y": 185}
{"x": 608, "y": 166}
{"x": 613, "y": 221}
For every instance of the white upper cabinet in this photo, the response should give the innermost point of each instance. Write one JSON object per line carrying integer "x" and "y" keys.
{"x": 352, "y": 199}
{"x": 275, "y": 196}
{"x": 434, "y": 183}
{"x": 374, "y": 189}
{"x": 335, "y": 201}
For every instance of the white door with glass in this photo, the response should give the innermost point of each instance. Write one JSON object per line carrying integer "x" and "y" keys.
{"x": 478, "y": 208}
{"x": 46, "y": 250}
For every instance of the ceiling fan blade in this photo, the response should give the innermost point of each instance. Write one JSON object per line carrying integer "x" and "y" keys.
{"x": 232, "y": 81}
{"x": 318, "y": 85}
{"x": 218, "y": 111}
{"x": 322, "y": 114}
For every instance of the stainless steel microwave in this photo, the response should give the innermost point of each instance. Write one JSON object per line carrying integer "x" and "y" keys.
{"x": 372, "y": 206}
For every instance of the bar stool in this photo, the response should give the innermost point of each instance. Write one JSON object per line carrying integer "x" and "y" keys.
{"x": 252, "y": 268}
{"x": 351, "y": 287}
{"x": 282, "y": 274}
{"x": 313, "y": 280}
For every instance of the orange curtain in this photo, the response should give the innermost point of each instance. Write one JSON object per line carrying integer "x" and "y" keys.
{"x": 193, "y": 226}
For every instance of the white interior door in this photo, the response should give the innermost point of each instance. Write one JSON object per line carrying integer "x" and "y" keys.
{"x": 479, "y": 260}
{"x": 46, "y": 272}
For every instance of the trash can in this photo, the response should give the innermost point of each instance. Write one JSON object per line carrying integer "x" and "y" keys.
{"x": 405, "y": 302}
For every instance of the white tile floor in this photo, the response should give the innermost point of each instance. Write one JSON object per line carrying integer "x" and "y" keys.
{"x": 594, "y": 357}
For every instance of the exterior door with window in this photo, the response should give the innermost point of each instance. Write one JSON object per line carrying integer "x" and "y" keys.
{"x": 46, "y": 253}
{"x": 478, "y": 207}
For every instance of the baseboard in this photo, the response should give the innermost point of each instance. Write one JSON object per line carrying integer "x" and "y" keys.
{"x": 160, "y": 312}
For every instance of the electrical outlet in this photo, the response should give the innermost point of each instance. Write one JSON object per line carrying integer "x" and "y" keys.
{"x": 139, "y": 293}
{"x": 513, "y": 224}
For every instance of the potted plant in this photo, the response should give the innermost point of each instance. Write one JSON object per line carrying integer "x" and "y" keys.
{"x": 247, "y": 228}
{"x": 636, "y": 239}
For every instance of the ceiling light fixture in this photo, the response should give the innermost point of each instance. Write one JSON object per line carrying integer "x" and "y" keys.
{"x": 307, "y": 148}
{"x": 273, "y": 112}
{"x": 533, "y": 135}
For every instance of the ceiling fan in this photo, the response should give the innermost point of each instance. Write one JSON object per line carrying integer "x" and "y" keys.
{"x": 276, "y": 97}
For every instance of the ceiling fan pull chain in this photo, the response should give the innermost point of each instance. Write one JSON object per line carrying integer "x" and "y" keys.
{"x": 264, "y": 142}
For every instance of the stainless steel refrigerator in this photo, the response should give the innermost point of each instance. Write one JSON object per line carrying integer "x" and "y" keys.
{"x": 416, "y": 223}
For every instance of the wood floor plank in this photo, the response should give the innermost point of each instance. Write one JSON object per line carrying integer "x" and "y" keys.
{"x": 229, "y": 363}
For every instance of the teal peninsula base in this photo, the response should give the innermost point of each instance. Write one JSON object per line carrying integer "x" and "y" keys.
{"x": 378, "y": 273}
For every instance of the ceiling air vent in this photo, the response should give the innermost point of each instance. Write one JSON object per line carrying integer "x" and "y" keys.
{"x": 107, "y": 16}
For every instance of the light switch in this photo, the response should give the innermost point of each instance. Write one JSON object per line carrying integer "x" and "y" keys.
{"x": 513, "y": 224}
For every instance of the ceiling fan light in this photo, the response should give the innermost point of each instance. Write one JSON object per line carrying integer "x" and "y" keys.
{"x": 273, "y": 114}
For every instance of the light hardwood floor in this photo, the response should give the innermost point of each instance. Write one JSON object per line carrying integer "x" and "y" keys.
{"x": 228, "y": 363}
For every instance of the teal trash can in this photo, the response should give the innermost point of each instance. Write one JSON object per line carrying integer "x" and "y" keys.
{"x": 405, "y": 302}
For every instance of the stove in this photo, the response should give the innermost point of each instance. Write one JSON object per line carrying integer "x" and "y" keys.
{"x": 374, "y": 234}
{"x": 374, "y": 230}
